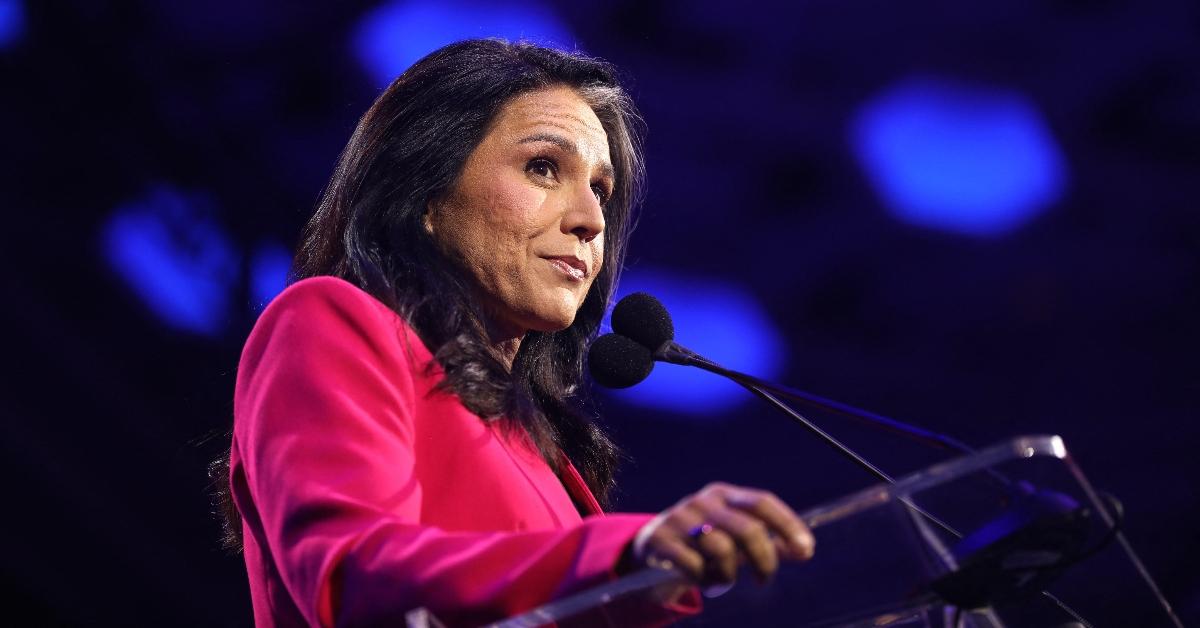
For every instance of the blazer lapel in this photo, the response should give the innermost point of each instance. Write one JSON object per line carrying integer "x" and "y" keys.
{"x": 579, "y": 489}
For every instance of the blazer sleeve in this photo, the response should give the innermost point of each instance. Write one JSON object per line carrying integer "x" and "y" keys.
{"x": 324, "y": 435}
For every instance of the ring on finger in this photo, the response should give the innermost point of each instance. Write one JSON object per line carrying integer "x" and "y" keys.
{"x": 712, "y": 590}
{"x": 701, "y": 530}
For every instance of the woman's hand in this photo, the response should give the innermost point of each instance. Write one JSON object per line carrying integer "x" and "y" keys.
{"x": 707, "y": 535}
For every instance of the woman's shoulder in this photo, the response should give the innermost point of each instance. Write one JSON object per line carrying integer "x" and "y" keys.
{"x": 335, "y": 308}
{"x": 324, "y": 291}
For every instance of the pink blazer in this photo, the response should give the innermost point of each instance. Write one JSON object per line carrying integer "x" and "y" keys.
{"x": 365, "y": 494}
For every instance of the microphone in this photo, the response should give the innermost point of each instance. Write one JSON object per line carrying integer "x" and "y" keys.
{"x": 640, "y": 320}
{"x": 645, "y": 320}
{"x": 619, "y": 362}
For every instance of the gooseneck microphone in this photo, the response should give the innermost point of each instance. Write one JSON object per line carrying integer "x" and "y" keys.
{"x": 644, "y": 333}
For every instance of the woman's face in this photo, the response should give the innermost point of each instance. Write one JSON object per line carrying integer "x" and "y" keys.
{"x": 525, "y": 218}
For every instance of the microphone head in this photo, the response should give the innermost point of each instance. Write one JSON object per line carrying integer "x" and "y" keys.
{"x": 618, "y": 362}
{"x": 643, "y": 318}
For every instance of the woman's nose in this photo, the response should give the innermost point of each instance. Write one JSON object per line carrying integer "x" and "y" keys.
{"x": 584, "y": 217}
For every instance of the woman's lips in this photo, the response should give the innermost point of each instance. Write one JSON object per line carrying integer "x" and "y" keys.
{"x": 569, "y": 266}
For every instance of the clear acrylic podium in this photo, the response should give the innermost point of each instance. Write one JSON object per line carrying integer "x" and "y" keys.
{"x": 1012, "y": 535}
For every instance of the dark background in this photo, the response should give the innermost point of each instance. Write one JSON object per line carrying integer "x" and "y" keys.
{"x": 1078, "y": 321}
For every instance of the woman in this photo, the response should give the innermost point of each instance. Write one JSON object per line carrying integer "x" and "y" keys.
{"x": 407, "y": 428}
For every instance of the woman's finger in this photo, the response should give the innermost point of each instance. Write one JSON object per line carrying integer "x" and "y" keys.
{"x": 690, "y": 522}
{"x": 777, "y": 515}
{"x": 706, "y": 535}
{"x": 719, "y": 549}
{"x": 681, "y": 555}
{"x": 752, "y": 537}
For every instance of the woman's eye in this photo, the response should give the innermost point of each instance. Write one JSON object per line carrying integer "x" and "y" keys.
{"x": 543, "y": 168}
{"x": 601, "y": 193}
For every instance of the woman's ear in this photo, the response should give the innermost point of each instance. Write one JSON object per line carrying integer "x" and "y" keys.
{"x": 428, "y": 218}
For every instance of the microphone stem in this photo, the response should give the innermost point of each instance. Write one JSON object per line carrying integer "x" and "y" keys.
{"x": 676, "y": 354}
{"x": 822, "y": 434}
{"x": 849, "y": 453}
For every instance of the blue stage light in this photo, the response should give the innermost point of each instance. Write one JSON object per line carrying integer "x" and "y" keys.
{"x": 269, "y": 269}
{"x": 12, "y": 22}
{"x": 719, "y": 320}
{"x": 169, "y": 250}
{"x": 395, "y": 35}
{"x": 962, "y": 158}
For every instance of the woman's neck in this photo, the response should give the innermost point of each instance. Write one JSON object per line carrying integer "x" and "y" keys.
{"x": 506, "y": 350}
{"x": 503, "y": 336}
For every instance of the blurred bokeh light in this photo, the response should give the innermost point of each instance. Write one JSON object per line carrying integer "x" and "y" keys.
{"x": 171, "y": 252}
{"x": 394, "y": 35}
{"x": 12, "y": 22}
{"x": 269, "y": 268}
{"x": 964, "y": 158}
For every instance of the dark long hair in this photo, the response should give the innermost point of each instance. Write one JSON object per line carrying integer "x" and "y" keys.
{"x": 405, "y": 155}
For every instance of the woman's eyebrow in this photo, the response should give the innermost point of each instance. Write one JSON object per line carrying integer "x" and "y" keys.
{"x": 567, "y": 145}
{"x": 552, "y": 138}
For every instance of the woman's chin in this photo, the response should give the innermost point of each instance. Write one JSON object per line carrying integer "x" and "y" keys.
{"x": 550, "y": 319}
{"x": 554, "y": 312}
{"x": 552, "y": 324}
